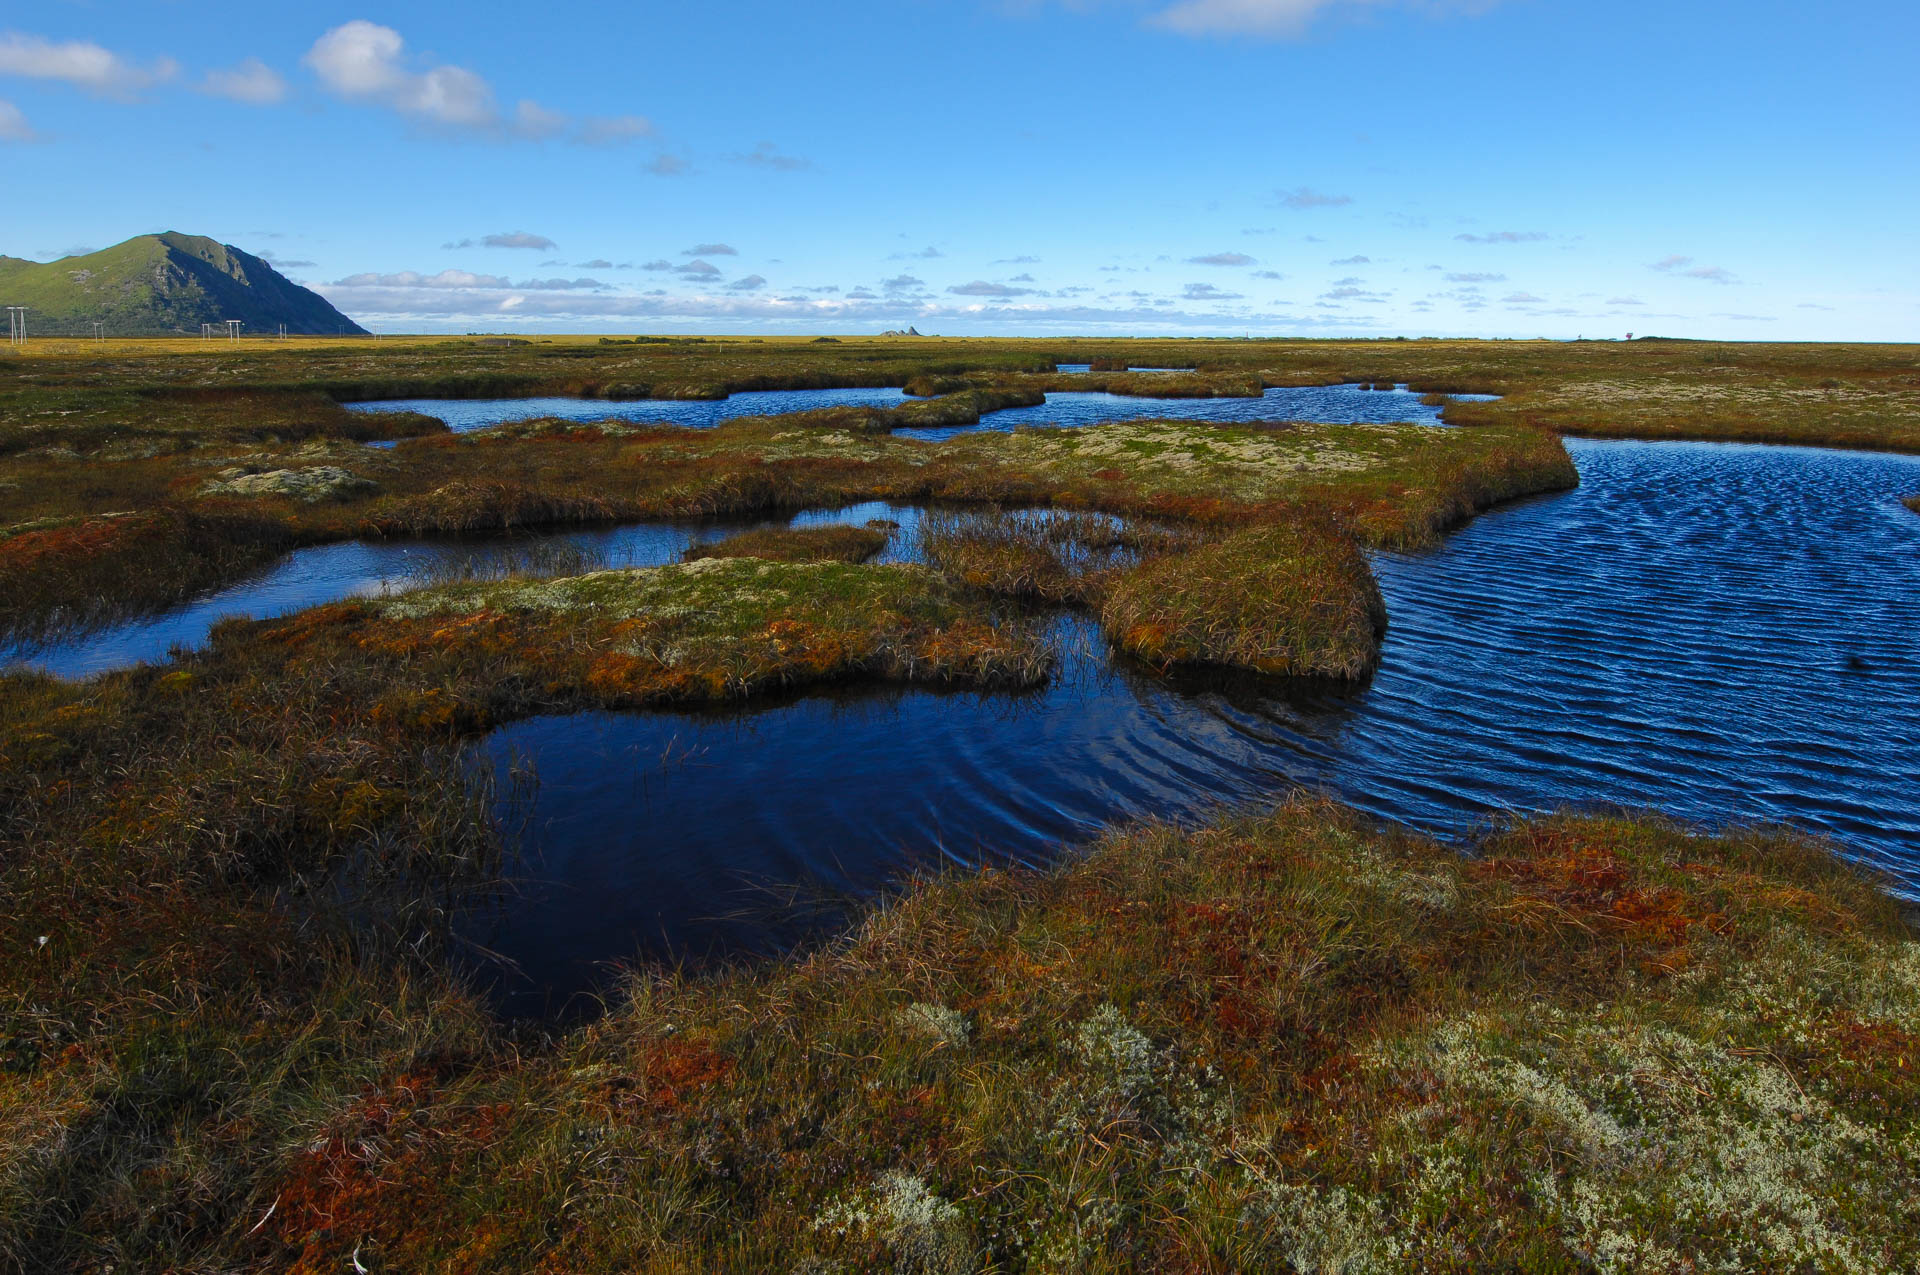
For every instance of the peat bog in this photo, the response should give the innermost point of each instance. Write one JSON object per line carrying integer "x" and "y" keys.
{"x": 246, "y": 1017}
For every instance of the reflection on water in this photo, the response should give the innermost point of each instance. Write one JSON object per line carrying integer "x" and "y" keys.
{"x": 1331, "y": 404}
{"x": 1717, "y": 631}
{"x": 368, "y": 568}
{"x": 464, "y": 414}
{"x": 1325, "y": 404}
{"x": 328, "y": 573}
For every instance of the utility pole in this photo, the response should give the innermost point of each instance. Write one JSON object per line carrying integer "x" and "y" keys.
{"x": 233, "y": 329}
{"x": 96, "y": 332}
{"x": 16, "y": 325}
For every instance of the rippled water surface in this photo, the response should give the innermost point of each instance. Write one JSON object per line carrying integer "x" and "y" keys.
{"x": 1722, "y": 632}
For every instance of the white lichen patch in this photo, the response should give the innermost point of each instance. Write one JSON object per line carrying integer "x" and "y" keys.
{"x": 947, "y": 1026}
{"x": 1653, "y": 393}
{"x": 924, "y": 1232}
{"x": 1663, "y": 1142}
{"x": 705, "y": 586}
{"x": 310, "y": 484}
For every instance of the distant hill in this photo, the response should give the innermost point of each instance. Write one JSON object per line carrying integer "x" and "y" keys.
{"x": 154, "y": 285}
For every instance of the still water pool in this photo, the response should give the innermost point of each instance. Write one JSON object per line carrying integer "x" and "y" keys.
{"x": 1330, "y": 404}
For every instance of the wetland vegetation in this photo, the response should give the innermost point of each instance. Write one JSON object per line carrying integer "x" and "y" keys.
{"x": 231, "y": 1033}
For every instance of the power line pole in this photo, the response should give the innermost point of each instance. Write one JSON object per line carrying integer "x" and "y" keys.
{"x": 233, "y": 329}
{"x": 96, "y": 332}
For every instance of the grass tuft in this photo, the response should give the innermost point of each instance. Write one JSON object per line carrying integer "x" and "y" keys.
{"x": 1295, "y": 598}
{"x": 795, "y": 544}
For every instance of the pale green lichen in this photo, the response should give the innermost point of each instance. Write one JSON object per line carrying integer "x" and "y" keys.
{"x": 311, "y": 484}
{"x": 1667, "y": 1140}
{"x": 925, "y": 1234}
{"x": 947, "y": 1026}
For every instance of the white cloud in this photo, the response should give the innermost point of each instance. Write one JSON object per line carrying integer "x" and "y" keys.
{"x": 1684, "y": 266}
{"x": 767, "y": 155}
{"x": 611, "y": 130}
{"x": 982, "y": 288}
{"x": 252, "y": 81}
{"x": 13, "y": 124}
{"x": 1279, "y": 18}
{"x": 422, "y": 309}
{"x": 1223, "y": 259}
{"x": 1304, "y": 197}
{"x": 532, "y": 120}
{"x": 519, "y": 239}
{"x": 414, "y": 279}
{"x": 463, "y": 281}
{"x": 363, "y": 61}
{"x": 1504, "y": 236}
{"x": 80, "y": 63}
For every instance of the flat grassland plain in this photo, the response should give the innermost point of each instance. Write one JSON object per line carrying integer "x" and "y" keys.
{"x": 230, "y": 1035}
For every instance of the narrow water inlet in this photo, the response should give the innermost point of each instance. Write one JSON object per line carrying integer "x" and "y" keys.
{"x": 372, "y": 568}
{"x": 1718, "y": 631}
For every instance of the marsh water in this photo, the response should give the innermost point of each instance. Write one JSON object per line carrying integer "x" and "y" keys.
{"x": 329, "y": 573}
{"x": 1328, "y": 404}
{"x": 348, "y": 569}
{"x": 1725, "y": 633}
{"x": 1718, "y": 631}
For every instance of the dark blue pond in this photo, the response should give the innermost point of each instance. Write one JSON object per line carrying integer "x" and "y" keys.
{"x": 464, "y": 414}
{"x": 369, "y": 568}
{"x": 1325, "y": 404}
{"x": 1721, "y": 632}
{"x": 1330, "y": 404}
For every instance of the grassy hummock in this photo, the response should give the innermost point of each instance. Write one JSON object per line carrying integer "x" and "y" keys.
{"x": 1287, "y": 1041}
{"x": 1386, "y": 485}
{"x": 1289, "y": 599}
{"x": 796, "y": 544}
{"x": 712, "y": 628}
{"x": 1044, "y": 556}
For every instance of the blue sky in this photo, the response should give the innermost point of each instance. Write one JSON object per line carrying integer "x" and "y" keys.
{"x": 1311, "y": 167}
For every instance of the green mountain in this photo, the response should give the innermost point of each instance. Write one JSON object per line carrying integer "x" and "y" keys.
{"x": 156, "y": 285}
